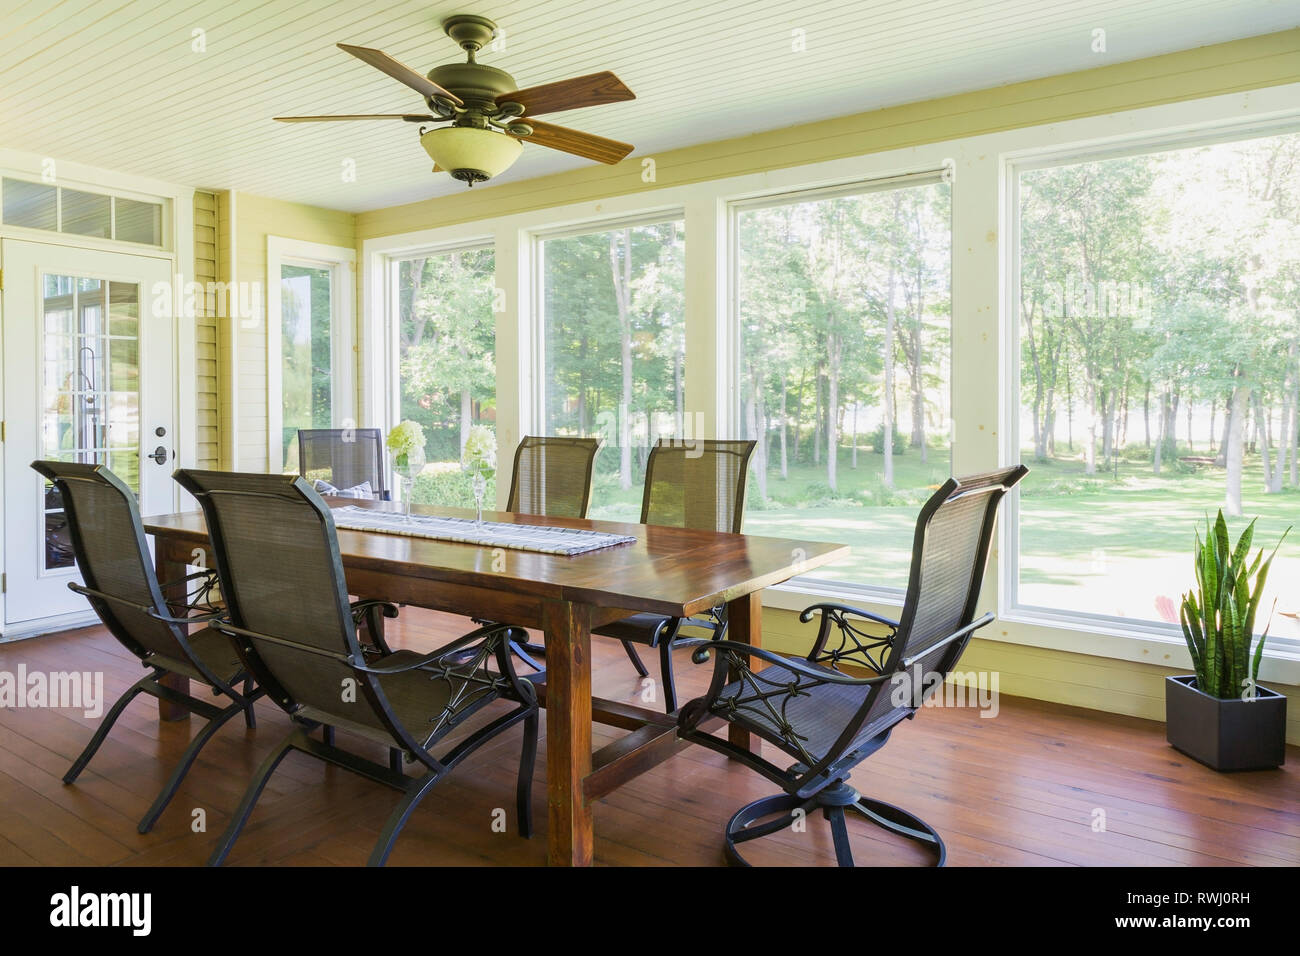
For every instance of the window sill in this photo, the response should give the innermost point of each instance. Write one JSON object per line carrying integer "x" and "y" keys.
{"x": 1131, "y": 641}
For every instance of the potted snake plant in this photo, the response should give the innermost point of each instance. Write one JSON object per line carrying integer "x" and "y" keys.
{"x": 1220, "y": 715}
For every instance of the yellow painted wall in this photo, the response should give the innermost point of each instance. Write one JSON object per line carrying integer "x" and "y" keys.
{"x": 206, "y": 383}
{"x": 1121, "y": 686}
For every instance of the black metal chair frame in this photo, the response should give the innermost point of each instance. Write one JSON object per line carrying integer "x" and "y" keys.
{"x": 373, "y": 435}
{"x": 821, "y": 781}
{"x": 177, "y": 616}
{"x": 666, "y": 636}
{"x": 477, "y": 686}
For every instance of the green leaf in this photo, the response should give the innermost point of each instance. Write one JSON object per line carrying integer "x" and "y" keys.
{"x": 1243, "y": 544}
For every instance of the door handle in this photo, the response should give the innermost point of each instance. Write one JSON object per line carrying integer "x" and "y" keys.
{"x": 159, "y": 455}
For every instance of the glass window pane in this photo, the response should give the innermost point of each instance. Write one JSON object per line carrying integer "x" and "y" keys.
{"x": 447, "y": 363}
{"x": 615, "y": 338}
{"x": 135, "y": 221}
{"x": 85, "y": 214}
{"x": 845, "y": 324}
{"x": 29, "y": 204}
{"x": 58, "y": 542}
{"x": 306, "y": 357}
{"x": 1160, "y": 364}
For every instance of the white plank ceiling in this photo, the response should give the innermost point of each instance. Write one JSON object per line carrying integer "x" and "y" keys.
{"x": 116, "y": 84}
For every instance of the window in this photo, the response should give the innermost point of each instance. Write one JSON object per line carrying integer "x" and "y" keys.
{"x": 446, "y": 362}
{"x": 309, "y": 344}
{"x": 844, "y": 314}
{"x": 306, "y": 385}
{"x": 614, "y": 336}
{"x": 61, "y": 209}
{"x": 1159, "y": 374}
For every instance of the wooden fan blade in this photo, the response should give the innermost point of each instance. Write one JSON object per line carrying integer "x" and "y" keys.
{"x": 399, "y": 71}
{"x": 408, "y": 117}
{"x": 595, "y": 89}
{"x": 576, "y": 142}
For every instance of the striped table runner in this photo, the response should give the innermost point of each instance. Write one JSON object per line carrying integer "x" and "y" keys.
{"x": 492, "y": 534}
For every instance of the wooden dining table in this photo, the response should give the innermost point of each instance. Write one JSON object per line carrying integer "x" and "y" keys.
{"x": 677, "y": 572}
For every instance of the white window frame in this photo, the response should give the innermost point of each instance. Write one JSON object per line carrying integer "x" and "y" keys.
{"x": 810, "y": 585}
{"x": 1013, "y": 609}
{"x": 341, "y": 263}
{"x": 979, "y": 292}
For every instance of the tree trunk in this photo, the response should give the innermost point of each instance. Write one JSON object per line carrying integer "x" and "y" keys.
{"x": 1157, "y": 455}
{"x": 1146, "y": 415}
{"x": 1221, "y": 459}
{"x": 622, "y": 276}
{"x": 887, "y": 474}
{"x": 1263, "y": 433}
{"x": 854, "y": 464}
{"x": 1234, "y": 446}
{"x": 833, "y": 350}
{"x": 785, "y": 463}
{"x": 819, "y": 422}
{"x": 466, "y": 416}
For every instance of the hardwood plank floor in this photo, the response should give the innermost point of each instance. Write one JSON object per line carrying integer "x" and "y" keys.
{"x": 1020, "y": 789}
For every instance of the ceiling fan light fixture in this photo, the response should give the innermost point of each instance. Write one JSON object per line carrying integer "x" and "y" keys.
{"x": 470, "y": 154}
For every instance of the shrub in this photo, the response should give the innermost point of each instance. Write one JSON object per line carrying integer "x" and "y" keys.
{"x": 877, "y": 439}
{"x": 449, "y": 489}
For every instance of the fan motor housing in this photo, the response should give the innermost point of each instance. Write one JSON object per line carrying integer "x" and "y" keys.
{"x": 475, "y": 83}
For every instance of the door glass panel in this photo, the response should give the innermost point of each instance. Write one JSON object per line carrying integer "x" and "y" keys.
{"x": 85, "y": 214}
{"x": 305, "y": 355}
{"x": 90, "y": 387}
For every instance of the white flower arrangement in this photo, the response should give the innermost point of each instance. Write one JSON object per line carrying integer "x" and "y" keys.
{"x": 480, "y": 452}
{"x": 404, "y": 438}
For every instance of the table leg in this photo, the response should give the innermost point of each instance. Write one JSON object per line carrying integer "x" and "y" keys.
{"x": 170, "y": 561}
{"x": 745, "y": 626}
{"x": 568, "y": 732}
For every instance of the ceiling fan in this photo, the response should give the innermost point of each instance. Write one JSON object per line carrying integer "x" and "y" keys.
{"x": 488, "y": 116}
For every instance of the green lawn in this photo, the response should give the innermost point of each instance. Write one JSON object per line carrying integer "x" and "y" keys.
{"x": 1108, "y": 543}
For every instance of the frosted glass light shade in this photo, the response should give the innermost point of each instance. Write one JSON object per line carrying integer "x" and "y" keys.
{"x": 471, "y": 155}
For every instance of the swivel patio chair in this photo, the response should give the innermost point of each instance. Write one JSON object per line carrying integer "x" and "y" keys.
{"x": 287, "y": 608}
{"x": 344, "y": 459}
{"x": 107, "y": 538}
{"x": 829, "y": 721}
{"x": 688, "y": 484}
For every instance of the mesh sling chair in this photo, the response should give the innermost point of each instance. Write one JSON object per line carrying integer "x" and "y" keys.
{"x": 551, "y": 476}
{"x": 692, "y": 484}
{"x": 349, "y": 456}
{"x": 828, "y": 721}
{"x": 108, "y": 540}
{"x": 287, "y": 608}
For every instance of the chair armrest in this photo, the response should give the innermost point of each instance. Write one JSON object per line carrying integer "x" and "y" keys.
{"x": 806, "y": 614}
{"x": 360, "y": 607}
{"x": 855, "y": 645}
{"x": 701, "y": 655}
{"x": 433, "y": 657}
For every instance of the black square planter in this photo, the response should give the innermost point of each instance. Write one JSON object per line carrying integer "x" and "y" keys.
{"x": 1231, "y": 734}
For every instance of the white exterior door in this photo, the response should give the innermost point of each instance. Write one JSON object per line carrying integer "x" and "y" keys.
{"x": 88, "y": 376}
